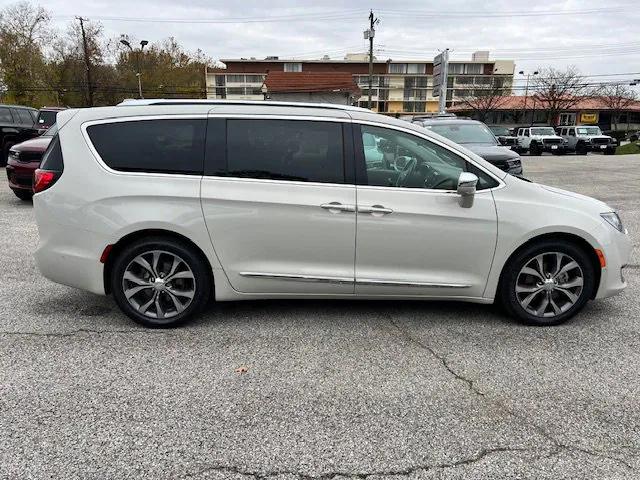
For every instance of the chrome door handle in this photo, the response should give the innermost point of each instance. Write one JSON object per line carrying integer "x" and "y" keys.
{"x": 336, "y": 207}
{"x": 375, "y": 209}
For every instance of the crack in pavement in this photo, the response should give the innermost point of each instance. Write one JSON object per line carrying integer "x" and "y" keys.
{"x": 559, "y": 447}
{"x": 480, "y": 455}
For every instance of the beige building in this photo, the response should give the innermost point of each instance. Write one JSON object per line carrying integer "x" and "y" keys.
{"x": 399, "y": 86}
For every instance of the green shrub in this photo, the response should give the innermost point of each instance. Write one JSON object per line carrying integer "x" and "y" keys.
{"x": 628, "y": 149}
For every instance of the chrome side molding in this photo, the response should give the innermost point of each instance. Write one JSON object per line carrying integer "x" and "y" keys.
{"x": 347, "y": 280}
{"x": 397, "y": 283}
{"x": 298, "y": 278}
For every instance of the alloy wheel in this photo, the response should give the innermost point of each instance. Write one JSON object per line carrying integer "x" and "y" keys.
{"x": 549, "y": 284}
{"x": 159, "y": 284}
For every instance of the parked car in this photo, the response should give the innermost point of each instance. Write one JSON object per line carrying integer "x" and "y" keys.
{"x": 249, "y": 200}
{"x": 584, "y": 138}
{"x": 504, "y": 136}
{"x": 24, "y": 159}
{"x": 477, "y": 137}
{"x": 17, "y": 124}
{"x": 536, "y": 140}
{"x": 633, "y": 136}
{"x": 47, "y": 118}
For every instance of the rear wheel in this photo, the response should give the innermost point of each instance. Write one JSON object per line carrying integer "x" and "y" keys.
{"x": 547, "y": 283}
{"x": 23, "y": 194}
{"x": 160, "y": 282}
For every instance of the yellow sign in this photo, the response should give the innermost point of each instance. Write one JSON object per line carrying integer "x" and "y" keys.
{"x": 588, "y": 118}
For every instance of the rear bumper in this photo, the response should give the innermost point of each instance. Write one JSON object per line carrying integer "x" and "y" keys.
{"x": 70, "y": 256}
{"x": 617, "y": 254}
{"x": 20, "y": 175}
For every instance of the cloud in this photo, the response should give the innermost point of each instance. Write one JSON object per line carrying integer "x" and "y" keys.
{"x": 598, "y": 43}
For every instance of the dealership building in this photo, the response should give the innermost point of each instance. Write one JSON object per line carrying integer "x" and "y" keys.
{"x": 399, "y": 86}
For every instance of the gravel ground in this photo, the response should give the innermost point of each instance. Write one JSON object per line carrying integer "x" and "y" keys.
{"x": 332, "y": 390}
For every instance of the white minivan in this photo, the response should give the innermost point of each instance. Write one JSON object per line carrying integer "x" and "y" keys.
{"x": 165, "y": 204}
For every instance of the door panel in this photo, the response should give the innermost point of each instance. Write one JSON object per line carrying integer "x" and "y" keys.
{"x": 275, "y": 237}
{"x": 414, "y": 235}
{"x": 275, "y": 198}
{"x": 429, "y": 245}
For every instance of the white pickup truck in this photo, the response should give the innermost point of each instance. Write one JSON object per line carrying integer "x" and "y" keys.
{"x": 536, "y": 140}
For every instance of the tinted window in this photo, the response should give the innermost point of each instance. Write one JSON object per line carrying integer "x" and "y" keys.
{"x": 52, "y": 158}
{"x": 285, "y": 150}
{"x": 465, "y": 133}
{"x": 47, "y": 117}
{"x": 25, "y": 117}
{"x": 398, "y": 159}
{"x": 5, "y": 115}
{"x": 162, "y": 146}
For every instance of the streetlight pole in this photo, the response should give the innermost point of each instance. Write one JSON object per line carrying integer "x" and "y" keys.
{"x": 526, "y": 92}
{"x": 143, "y": 43}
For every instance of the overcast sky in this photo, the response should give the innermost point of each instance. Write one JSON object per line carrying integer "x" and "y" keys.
{"x": 597, "y": 37}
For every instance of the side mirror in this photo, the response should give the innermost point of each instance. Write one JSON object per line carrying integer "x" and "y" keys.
{"x": 467, "y": 183}
{"x": 502, "y": 140}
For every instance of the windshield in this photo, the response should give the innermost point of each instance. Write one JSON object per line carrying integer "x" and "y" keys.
{"x": 588, "y": 131}
{"x": 542, "y": 131}
{"x": 501, "y": 131}
{"x": 51, "y": 131}
{"x": 465, "y": 133}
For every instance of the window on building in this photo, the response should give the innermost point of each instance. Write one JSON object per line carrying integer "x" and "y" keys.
{"x": 397, "y": 68}
{"x": 235, "y": 78}
{"x": 293, "y": 67}
{"x": 221, "y": 92}
{"x": 220, "y": 80}
{"x": 254, "y": 78}
{"x": 415, "y": 68}
{"x": 235, "y": 91}
{"x": 294, "y": 150}
{"x": 159, "y": 146}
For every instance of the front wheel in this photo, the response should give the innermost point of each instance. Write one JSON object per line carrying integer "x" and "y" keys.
{"x": 547, "y": 283}
{"x": 535, "y": 150}
{"x": 160, "y": 282}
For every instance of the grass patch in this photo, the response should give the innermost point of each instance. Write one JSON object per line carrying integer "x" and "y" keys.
{"x": 628, "y": 149}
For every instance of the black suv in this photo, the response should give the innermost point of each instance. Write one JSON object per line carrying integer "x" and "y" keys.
{"x": 17, "y": 124}
{"x": 476, "y": 137}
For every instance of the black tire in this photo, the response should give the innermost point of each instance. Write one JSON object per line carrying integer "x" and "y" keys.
{"x": 610, "y": 151}
{"x": 25, "y": 195}
{"x": 535, "y": 150}
{"x": 634, "y": 138}
{"x": 201, "y": 282}
{"x": 507, "y": 291}
{"x": 5, "y": 154}
{"x": 581, "y": 149}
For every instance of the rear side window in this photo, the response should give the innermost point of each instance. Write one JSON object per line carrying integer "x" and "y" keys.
{"x": 296, "y": 150}
{"x": 47, "y": 117}
{"x": 5, "y": 115}
{"x": 155, "y": 146}
{"x": 52, "y": 158}
{"x": 25, "y": 117}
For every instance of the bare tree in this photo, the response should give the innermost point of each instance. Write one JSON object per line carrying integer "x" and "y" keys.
{"x": 23, "y": 31}
{"x": 484, "y": 100}
{"x": 618, "y": 98}
{"x": 558, "y": 90}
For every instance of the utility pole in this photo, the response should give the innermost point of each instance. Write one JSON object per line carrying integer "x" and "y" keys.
{"x": 87, "y": 61}
{"x": 526, "y": 95}
{"x": 369, "y": 34}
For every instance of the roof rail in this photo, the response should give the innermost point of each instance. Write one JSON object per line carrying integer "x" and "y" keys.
{"x": 166, "y": 101}
{"x": 429, "y": 116}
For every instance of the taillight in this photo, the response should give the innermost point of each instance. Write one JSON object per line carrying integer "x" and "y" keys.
{"x": 43, "y": 179}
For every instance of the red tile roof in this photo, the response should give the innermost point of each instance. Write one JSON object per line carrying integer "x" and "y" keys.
{"x": 518, "y": 103}
{"x": 291, "y": 82}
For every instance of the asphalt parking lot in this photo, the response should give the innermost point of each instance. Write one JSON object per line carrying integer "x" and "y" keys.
{"x": 331, "y": 390}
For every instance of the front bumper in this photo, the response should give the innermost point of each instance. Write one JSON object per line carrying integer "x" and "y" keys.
{"x": 20, "y": 175}
{"x": 606, "y": 148}
{"x": 554, "y": 148}
{"x": 617, "y": 254}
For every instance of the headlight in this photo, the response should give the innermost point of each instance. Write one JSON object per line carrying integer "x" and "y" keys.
{"x": 14, "y": 154}
{"x": 613, "y": 219}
